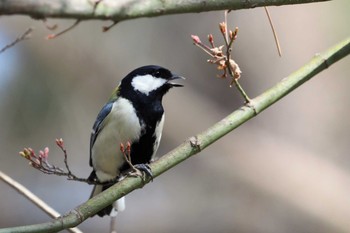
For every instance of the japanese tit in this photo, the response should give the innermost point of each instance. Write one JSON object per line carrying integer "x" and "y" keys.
{"x": 134, "y": 113}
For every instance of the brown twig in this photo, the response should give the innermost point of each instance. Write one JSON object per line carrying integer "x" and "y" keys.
{"x": 53, "y": 36}
{"x": 41, "y": 163}
{"x": 223, "y": 59}
{"x": 107, "y": 28}
{"x": 95, "y": 4}
{"x": 48, "y": 26}
{"x": 26, "y": 35}
{"x": 274, "y": 32}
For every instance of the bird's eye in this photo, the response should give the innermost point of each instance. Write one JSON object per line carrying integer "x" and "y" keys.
{"x": 157, "y": 74}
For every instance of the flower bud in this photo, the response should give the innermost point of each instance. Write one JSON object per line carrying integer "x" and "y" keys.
{"x": 196, "y": 39}
{"x": 222, "y": 27}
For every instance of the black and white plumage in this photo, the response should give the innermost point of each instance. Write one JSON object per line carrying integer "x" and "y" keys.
{"x": 134, "y": 114}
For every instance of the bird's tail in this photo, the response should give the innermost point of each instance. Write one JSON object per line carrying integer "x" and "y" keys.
{"x": 112, "y": 210}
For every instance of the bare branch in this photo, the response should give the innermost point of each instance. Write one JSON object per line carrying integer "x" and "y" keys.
{"x": 41, "y": 163}
{"x": 128, "y": 9}
{"x": 223, "y": 60}
{"x": 24, "y": 36}
{"x": 53, "y": 36}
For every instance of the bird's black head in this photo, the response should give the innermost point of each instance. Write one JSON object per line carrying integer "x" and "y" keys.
{"x": 148, "y": 82}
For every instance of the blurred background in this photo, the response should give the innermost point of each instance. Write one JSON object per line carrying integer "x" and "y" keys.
{"x": 287, "y": 170}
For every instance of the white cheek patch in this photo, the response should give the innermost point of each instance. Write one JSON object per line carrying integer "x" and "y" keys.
{"x": 147, "y": 83}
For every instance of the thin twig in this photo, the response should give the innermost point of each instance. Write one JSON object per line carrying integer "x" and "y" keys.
{"x": 205, "y": 49}
{"x": 41, "y": 163}
{"x": 107, "y": 28}
{"x": 48, "y": 26}
{"x": 24, "y": 36}
{"x": 229, "y": 61}
{"x": 95, "y": 4}
{"x": 53, "y": 36}
{"x": 274, "y": 32}
{"x": 241, "y": 90}
{"x": 34, "y": 199}
{"x": 226, "y": 29}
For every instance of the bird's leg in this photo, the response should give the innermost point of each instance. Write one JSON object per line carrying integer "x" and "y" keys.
{"x": 126, "y": 153}
{"x": 138, "y": 170}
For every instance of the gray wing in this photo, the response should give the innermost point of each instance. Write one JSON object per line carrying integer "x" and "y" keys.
{"x": 98, "y": 125}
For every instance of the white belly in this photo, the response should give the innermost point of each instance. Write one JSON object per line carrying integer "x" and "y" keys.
{"x": 120, "y": 126}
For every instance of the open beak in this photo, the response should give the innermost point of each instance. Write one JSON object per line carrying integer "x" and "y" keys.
{"x": 174, "y": 78}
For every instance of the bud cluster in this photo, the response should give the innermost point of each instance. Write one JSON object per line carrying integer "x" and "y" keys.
{"x": 221, "y": 55}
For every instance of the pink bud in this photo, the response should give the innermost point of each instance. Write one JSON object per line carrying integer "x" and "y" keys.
{"x": 122, "y": 147}
{"x": 128, "y": 147}
{"x": 51, "y": 36}
{"x": 196, "y": 39}
{"x": 211, "y": 40}
{"x": 44, "y": 154}
{"x": 59, "y": 142}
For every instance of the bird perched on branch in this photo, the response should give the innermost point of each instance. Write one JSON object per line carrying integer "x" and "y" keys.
{"x": 133, "y": 115}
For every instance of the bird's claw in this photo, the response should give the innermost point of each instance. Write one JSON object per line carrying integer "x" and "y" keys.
{"x": 142, "y": 170}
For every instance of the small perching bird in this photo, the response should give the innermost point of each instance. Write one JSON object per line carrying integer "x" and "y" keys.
{"x": 134, "y": 114}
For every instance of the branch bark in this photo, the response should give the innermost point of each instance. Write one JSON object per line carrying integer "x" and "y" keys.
{"x": 33, "y": 198}
{"x": 195, "y": 144}
{"x": 127, "y": 9}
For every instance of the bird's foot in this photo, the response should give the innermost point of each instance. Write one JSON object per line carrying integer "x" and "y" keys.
{"x": 138, "y": 170}
{"x": 141, "y": 170}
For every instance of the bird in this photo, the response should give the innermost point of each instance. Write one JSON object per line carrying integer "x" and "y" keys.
{"x": 134, "y": 116}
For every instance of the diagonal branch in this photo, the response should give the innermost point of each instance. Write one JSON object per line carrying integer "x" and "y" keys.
{"x": 195, "y": 144}
{"x": 33, "y": 198}
{"x": 127, "y": 9}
